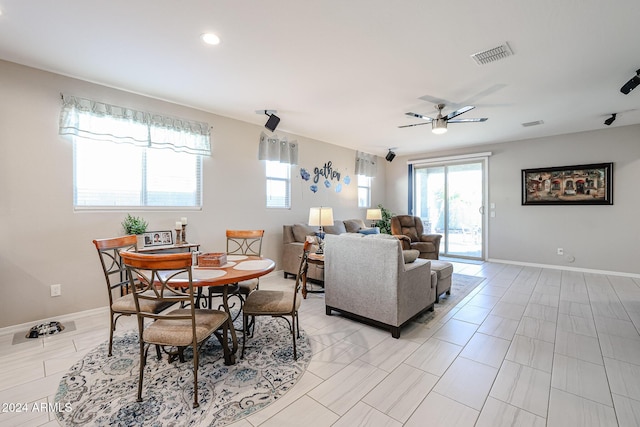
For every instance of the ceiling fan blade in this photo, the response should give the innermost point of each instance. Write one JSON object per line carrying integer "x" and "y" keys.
{"x": 415, "y": 124}
{"x": 483, "y": 119}
{"x": 458, "y": 112}
{"x": 419, "y": 116}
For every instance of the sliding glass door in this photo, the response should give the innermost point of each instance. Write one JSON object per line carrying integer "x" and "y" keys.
{"x": 449, "y": 197}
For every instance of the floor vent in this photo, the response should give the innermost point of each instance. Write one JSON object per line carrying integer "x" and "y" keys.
{"x": 492, "y": 55}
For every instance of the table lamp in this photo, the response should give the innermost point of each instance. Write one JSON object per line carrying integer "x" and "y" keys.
{"x": 320, "y": 217}
{"x": 374, "y": 215}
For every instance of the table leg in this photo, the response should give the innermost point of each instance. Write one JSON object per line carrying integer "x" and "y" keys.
{"x": 234, "y": 337}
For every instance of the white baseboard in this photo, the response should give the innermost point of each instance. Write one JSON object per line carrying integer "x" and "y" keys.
{"x": 62, "y": 318}
{"x": 564, "y": 267}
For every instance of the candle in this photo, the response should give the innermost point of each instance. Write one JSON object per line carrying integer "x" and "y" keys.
{"x": 178, "y": 225}
{"x": 184, "y": 220}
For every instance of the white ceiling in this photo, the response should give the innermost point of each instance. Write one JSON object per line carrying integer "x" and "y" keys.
{"x": 345, "y": 72}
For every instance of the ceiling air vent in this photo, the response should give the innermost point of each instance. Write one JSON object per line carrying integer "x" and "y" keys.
{"x": 491, "y": 55}
{"x": 536, "y": 123}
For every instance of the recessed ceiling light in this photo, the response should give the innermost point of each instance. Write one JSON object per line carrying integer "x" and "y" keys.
{"x": 210, "y": 38}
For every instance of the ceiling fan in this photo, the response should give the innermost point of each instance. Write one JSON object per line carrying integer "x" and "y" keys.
{"x": 439, "y": 124}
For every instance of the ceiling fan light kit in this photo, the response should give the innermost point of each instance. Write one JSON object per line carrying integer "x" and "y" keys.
{"x": 439, "y": 126}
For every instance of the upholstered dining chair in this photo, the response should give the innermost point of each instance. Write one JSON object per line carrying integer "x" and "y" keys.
{"x": 181, "y": 327}
{"x": 277, "y": 303}
{"x": 410, "y": 231}
{"x": 115, "y": 274}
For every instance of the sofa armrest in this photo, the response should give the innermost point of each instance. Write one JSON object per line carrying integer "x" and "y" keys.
{"x": 287, "y": 234}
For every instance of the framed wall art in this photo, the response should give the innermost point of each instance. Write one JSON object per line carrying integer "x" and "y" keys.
{"x": 568, "y": 185}
{"x": 158, "y": 238}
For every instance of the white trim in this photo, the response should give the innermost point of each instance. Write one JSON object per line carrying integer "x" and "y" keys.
{"x": 449, "y": 158}
{"x": 62, "y": 318}
{"x": 564, "y": 267}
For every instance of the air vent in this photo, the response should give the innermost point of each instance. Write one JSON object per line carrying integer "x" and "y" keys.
{"x": 536, "y": 123}
{"x": 491, "y": 55}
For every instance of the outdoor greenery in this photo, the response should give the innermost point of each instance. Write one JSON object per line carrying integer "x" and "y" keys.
{"x": 385, "y": 222}
{"x": 134, "y": 225}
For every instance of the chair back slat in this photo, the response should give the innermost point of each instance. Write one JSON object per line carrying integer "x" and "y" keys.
{"x": 244, "y": 242}
{"x": 109, "y": 251}
{"x": 302, "y": 269}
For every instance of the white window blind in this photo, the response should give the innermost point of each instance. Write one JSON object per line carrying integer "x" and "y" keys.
{"x": 278, "y": 184}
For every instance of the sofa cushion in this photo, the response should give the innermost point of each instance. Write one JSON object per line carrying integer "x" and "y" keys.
{"x": 410, "y": 255}
{"x": 372, "y": 230}
{"x": 337, "y": 228}
{"x": 301, "y": 231}
{"x": 353, "y": 225}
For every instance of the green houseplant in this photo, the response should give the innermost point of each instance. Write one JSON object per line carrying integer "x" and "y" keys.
{"x": 134, "y": 225}
{"x": 385, "y": 222}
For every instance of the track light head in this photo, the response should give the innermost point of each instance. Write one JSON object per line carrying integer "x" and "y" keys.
{"x": 390, "y": 156}
{"x": 272, "y": 121}
{"x": 610, "y": 120}
{"x": 631, "y": 84}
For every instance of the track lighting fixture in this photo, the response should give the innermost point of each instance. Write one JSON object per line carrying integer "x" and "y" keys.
{"x": 610, "y": 120}
{"x": 272, "y": 121}
{"x": 390, "y": 156}
{"x": 631, "y": 84}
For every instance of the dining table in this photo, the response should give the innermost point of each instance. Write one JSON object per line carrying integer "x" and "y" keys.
{"x": 226, "y": 277}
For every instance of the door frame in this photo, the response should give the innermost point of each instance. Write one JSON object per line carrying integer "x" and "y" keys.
{"x": 453, "y": 160}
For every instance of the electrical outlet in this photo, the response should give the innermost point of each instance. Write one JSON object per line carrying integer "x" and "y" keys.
{"x": 560, "y": 251}
{"x": 56, "y": 290}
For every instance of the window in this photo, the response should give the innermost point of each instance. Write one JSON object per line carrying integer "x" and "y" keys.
{"x": 364, "y": 191}
{"x": 129, "y": 158}
{"x": 278, "y": 184}
{"x": 107, "y": 174}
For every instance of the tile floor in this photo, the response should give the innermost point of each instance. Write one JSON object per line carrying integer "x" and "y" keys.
{"x": 528, "y": 347}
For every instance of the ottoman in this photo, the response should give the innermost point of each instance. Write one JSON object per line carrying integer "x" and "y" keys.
{"x": 444, "y": 271}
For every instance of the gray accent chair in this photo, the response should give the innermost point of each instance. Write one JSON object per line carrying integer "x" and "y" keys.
{"x": 366, "y": 278}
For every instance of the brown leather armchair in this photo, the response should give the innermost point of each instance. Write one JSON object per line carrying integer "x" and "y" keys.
{"x": 410, "y": 231}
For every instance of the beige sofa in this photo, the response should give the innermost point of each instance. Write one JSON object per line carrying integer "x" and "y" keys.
{"x": 366, "y": 278}
{"x": 293, "y": 237}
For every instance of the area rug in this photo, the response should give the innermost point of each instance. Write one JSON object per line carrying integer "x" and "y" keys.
{"x": 461, "y": 286}
{"x": 100, "y": 390}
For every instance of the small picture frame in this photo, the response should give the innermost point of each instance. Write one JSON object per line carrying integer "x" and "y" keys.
{"x": 158, "y": 238}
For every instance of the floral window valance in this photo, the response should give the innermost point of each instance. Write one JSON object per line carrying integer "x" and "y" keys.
{"x": 277, "y": 149}
{"x": 104, "y": 122}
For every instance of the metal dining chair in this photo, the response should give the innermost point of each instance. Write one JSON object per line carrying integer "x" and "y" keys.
{"x": 243, "y": 242}
{"x": 277, "y": 304}
{"x": 174, "y": 330}
{"x": 115, "y": 274}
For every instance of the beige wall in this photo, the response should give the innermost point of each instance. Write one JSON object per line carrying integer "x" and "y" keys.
{"x": 601, "y": 238}
{"x": 45, "y": 242}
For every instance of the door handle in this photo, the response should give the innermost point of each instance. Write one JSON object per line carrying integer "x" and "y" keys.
{"x": 481, "y": 210}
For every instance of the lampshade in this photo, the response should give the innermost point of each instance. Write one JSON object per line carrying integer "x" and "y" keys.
{"x": 320, "y": 216}
{"x": 439, "y": 126}
{"x": 374, "y": 214}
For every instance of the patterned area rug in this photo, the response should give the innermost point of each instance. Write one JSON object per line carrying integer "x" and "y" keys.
{"x": 461, "y": 286}
{"x": 100, "y": 390}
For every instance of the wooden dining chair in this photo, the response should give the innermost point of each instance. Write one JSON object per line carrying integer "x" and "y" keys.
{"x": 115, "y": 274}
{"x": 277, "y": 304}
{"x": 174, "y": 330}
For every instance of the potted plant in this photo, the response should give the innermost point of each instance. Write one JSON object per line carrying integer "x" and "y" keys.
{"x": 135, "y": 225}
{"x": 385, "y": 222}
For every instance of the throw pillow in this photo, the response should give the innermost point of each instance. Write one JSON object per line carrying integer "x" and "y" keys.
{"x": 337, "y": 228}
{"x": 353, "y": 225}
{"x": 410, "y": 255}
{"x": 301, "y": 231}
{"x": 372, "y": 230}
